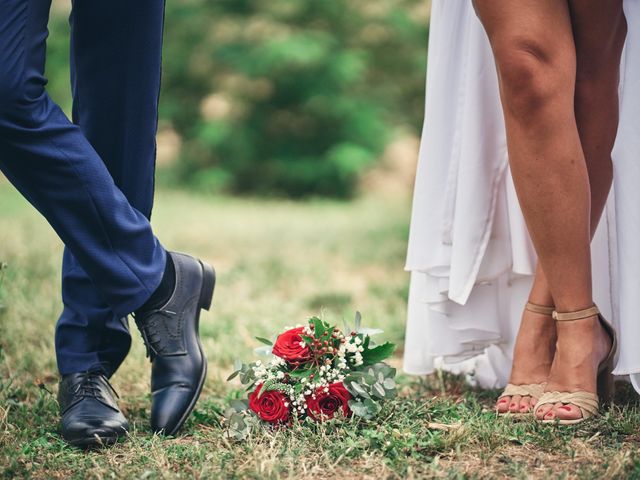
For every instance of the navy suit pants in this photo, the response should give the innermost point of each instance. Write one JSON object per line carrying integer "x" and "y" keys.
{"x": 91, "y": 178}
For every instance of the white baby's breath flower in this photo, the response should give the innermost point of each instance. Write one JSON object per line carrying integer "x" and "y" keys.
{"x": 358, "y": 359}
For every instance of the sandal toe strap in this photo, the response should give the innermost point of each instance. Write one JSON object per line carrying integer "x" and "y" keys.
{"x": 587, "y": 402}
{"x": 529, "y": 390}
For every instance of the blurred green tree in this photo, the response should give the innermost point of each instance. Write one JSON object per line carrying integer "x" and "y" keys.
{"x": 288, "y": 97}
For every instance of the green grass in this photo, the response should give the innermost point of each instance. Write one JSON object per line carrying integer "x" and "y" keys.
{"x": 278, "y": 263}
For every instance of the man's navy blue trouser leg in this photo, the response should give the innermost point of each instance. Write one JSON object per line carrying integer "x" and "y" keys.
{"x": 116, "y": 55}
{"x": 54, "y": 166}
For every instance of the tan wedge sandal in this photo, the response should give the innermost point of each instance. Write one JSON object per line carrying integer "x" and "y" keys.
{"x": 587, "y": 402}
{"x": 534, "y": 390}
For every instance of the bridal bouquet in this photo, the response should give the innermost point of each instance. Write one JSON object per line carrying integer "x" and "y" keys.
{"x": 315, "y": 371}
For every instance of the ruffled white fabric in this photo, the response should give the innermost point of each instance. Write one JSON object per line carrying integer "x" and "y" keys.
{"x": 470, "y": 256}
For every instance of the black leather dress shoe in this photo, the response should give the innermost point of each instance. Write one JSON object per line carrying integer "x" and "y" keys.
{"x": 89, "y": 411}
{"x": 170, "y": 333}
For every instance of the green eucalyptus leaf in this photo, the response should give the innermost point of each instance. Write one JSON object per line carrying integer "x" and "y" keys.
{"x": 239, "y": 405}
{"x": 352, "y": 377}
{"x": 374, "y": 407}
{"x": 265, "y": 341}
{"x": 346, "y": 328}
{"x": 369, "y": 379}
{"x": 247, "y": 375}
{"x": 390, "y": 394}
{"x": 389, "y": 383}
{"x": 262, "y": 351}
{"x": 359, "y": 390}
{"x": 233, "y": 375}
{"x": 237, "y": 424}
{"x": 359, "y": 409}
{"x": 379, "y": 390}
{"x": 367, "y": 409}
{"x": 238, "y": 429}
{"x": 370, "y": 332}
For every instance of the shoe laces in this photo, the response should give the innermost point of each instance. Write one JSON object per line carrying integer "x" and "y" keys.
{"x": 89, "y": 386}
{"x": 153, "y": 332}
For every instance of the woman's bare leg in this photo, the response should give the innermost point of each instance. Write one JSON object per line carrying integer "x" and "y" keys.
{"x": 599, "y": 30}
{"x": 535, "y": 55}
{"x": 532, "y": 359}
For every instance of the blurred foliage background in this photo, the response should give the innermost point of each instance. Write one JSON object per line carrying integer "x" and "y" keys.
{"x": 282, "y": 98}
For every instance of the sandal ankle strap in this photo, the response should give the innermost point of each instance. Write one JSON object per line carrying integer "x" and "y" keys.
{"x": 541, "y": 309}
{"x": 577, "y": 315}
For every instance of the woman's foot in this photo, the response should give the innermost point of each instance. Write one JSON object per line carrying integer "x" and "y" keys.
{"x": 532, "y": 358}
{"x": 582, "y": 345}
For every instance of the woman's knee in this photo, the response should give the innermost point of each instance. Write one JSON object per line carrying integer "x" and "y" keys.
{"x": 532, "y": 74}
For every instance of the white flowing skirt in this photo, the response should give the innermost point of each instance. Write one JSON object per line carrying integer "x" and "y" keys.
{"x": 470, "y": 256}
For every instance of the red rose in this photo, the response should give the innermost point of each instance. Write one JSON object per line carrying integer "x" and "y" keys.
{"x": 271, "y": 406}
{"x": 326, "y": 404}
{"x": 288, "y": 346}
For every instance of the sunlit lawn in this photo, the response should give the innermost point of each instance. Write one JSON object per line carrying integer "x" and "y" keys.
{"x": 278, "y": 263}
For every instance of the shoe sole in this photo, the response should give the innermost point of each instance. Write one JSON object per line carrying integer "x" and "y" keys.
{"x": 93, "y": 442}
{"x": 566, "y": 422}
{"x": 204, "y": 303}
